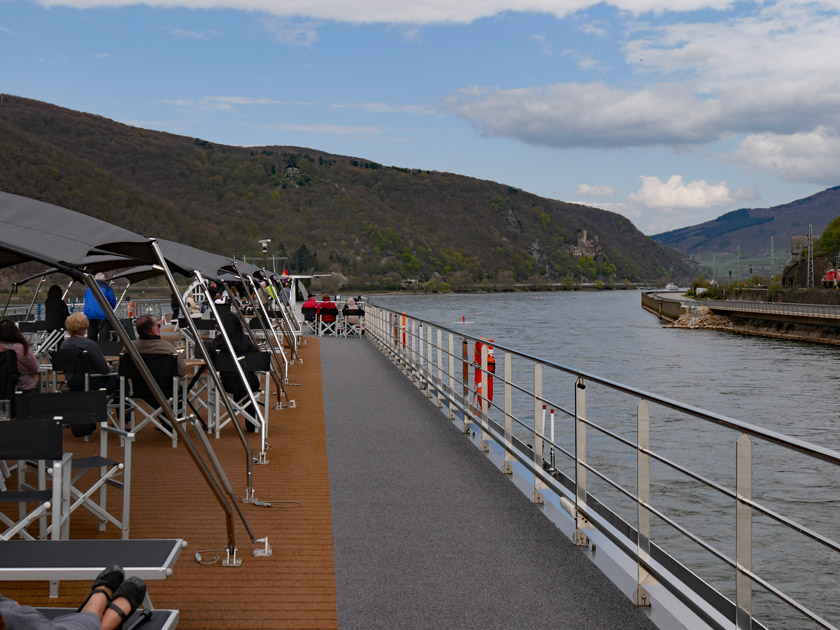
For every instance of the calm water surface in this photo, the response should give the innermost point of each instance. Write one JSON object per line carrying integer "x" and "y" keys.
{"x": 786, "y": 386}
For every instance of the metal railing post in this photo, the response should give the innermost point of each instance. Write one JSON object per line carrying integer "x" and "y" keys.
{"x": 539, "y": 432}
{"x": 641, "y": 595}
{"x": 580, "y": 538}
{"x": 509, "y": 458}
{"x": 440, "y": 368}
{"x": 743, "y": 533}
{"x": 451, "y": 376}
{"x": 484, "y": 399}
{"x": 465, "y": 375}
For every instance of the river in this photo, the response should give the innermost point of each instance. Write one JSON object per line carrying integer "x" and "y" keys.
{"x": 785, "y": 386}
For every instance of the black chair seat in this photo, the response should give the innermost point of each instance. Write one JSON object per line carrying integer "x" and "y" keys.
{"x": 94, "y": 461}
{"x": 16, "y": 496}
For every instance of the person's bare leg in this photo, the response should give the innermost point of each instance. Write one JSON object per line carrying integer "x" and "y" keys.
{"x": 98, "y": 601}
{"x": 110, "y": 619}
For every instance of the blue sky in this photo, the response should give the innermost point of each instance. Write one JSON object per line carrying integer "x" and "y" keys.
{"x": 670, "y": 113}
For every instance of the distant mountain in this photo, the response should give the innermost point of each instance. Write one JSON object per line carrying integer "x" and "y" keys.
{"x": 374, "y": 224}
{"x": 752, "y": 228}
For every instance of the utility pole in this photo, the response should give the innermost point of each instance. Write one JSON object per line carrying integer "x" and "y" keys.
{"x": 714, "y": 267}
{"x": 810, "y": 280}
{"x": 772, "y": 255}
{"x": 738, "y": 263}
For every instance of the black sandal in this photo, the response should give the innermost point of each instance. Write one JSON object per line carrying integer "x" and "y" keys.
{"x": 132, "y": 589}
{"x": 112, "y": 577}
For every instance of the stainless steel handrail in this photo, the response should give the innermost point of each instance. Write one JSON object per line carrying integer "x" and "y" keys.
{"x": 410, "y": 343}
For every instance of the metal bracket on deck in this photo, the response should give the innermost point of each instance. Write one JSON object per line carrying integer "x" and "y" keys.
{"x": 265, "y": 550}
{"x": 230, "y": 558}
{"x": 642, "y": 597}
{"x": 262, "y": 458}
{"x": 536, "y": 497}
{"x": 249, "y": 495}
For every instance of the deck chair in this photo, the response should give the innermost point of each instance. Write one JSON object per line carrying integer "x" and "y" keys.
{"x": 110, "y": 348}
{"x": 75, "y": 408}
{"x": 136, "y": 396}
{"x": 349, "y": 329}
{"x": 9, "y": 374}
{"x": 75, "y": 366}
{"x": 39, "y": 440}
{"x": 310, "y": 320}
{"x": 328, "y": 328}
{"x": 257, "y": 362}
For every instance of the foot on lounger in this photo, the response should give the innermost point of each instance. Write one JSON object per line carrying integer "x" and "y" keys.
{"x": 111, "y": 578}
{"x": 133, "y": 590}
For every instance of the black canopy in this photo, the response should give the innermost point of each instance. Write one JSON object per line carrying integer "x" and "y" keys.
{"x": 35, "y": 230}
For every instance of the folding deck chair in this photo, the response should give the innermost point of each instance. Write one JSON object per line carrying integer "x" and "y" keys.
{"x": 328, "y": 328}
{"x": 258, "y": 362}
{"x": 76, "y": 408}
{"x": 39, "y": 440}
{"x": 141, "y": 401}
{"x": 356, "y": 328}
{"x": 310, "y": 320}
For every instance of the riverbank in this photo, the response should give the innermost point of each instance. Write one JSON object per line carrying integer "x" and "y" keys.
{"x": 702, "y": 317}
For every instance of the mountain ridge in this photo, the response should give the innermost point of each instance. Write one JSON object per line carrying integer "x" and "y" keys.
{"x": 751, "y": 228}
{"x": 374, "y": 224}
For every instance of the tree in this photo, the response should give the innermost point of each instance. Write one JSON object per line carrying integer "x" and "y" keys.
{"x": 829, "y": 243}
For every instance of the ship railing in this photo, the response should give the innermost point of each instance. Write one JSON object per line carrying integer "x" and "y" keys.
{"x": 722, "y": 587}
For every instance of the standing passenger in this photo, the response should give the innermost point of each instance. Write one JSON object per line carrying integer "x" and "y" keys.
{"x": 55, "y": 310}
{"x": 99, "y": 327}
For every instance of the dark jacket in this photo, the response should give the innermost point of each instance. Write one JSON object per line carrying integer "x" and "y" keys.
{"x": 55, "y": 312}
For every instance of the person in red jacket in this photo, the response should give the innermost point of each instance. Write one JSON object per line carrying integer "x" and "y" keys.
{"x": 327, "y": 303}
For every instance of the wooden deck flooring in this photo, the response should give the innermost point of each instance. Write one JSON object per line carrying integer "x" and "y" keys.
{"x": 293, "y": 588}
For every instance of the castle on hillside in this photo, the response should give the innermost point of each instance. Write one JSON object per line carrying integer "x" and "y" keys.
{"x": 585, "y": 246}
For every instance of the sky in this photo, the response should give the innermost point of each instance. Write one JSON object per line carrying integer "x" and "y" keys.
{"x": 670, "y": 113}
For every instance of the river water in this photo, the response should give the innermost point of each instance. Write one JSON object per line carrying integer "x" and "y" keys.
{"x": 781, "y": 385}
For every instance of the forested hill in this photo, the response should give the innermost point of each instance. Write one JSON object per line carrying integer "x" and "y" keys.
{"x": 375, "y": 224}
{"x": 752, "y": 228}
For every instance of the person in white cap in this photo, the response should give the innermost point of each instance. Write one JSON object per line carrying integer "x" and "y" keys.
{"x": 99, "y": 327}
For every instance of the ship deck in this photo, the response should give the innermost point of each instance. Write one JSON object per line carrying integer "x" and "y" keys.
{"x": 384, "y": 516}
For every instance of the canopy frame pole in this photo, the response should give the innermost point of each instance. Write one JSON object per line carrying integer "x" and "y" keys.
{"x": 265, "y": 324}
{"x": 35, "y": 297}
{"x": 294, "y": 331}
{"x": 208, "y": 449}
{"x": 12, "y": 290}
{"x": 217, "y": 381}
{"x": 241, "y": 371}
{"x": 122, "y": 297}
{"x": 282, "y": 375}
{"x": 161, "y": 399}
{"x": 67, "y": 290}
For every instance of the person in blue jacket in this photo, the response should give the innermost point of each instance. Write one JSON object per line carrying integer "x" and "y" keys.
{"x": 99, "y": 327}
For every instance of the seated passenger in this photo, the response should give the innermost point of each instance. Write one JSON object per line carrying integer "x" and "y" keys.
{"x": 77, "y": 325}
{"x": 12, "y": 339}
{"x": 327, "y": 303}
{"x": 349, "y": 306}
{"x": 149, "y": 341}
{"x": 112, "y": 600}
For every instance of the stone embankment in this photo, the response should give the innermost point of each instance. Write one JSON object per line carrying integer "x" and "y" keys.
{"x": 679, "y": 313}
{"x": 704, "y": 318}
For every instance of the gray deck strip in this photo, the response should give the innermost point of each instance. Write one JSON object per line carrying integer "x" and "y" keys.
{"x": 427, "y": 532}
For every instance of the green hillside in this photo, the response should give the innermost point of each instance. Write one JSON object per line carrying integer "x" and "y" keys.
{"x": 375, "y": 224}
{"x": 751, "y": 229}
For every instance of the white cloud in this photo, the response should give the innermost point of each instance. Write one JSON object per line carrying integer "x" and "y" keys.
{"x": 676, "y": 194}
{"x": 412, "y": 35}
{"x": 179, "y": 32}
{"x": 810, "y": 156}
{"x": 222, "y": 102}
{"x": 303, "y": 34}
{"x": 595, "y": 191}
{"x": 330, "y": 130}
{"x": 5, "y": 30}
{"x": 544, "y": 46}
{"x": 404, "y": 11}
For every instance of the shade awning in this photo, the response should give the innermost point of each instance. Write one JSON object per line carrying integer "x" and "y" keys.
{"x": 36, "y": 230}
